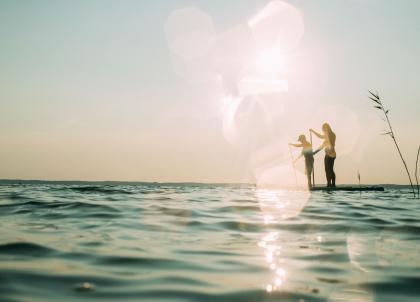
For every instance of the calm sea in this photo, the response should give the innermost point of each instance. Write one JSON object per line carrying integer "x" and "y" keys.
{"x": 192, "y": 242}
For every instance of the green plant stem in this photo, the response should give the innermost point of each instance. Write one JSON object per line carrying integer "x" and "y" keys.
{"x": 379, "y": 105}
{"x": 399, "y": 151}
{"x": 417, "y": 179}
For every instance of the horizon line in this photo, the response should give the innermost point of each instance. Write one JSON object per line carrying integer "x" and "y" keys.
{"x": 16, "y": 180}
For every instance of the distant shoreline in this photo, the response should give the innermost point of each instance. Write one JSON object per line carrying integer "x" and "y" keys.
{"x": 112, "y": 182}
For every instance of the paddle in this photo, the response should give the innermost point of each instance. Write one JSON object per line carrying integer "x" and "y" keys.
{"x": 313, "y": 168}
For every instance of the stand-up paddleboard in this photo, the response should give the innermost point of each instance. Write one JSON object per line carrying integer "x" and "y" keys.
{"x": 348, "y": 188}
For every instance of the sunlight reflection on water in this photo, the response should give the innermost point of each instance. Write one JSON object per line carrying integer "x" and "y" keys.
{"x": 272, "y": 252}
{"x": 278, "y": 205}
{"x": 281, "y": 204}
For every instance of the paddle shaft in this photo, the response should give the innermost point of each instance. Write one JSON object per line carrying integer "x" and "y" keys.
{"x": 313, "y": 168}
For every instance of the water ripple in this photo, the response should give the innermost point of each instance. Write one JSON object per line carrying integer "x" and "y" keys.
{"x": 192, "y": 242}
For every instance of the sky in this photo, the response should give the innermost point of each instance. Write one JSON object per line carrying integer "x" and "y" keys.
{"x": 197, "y": 91}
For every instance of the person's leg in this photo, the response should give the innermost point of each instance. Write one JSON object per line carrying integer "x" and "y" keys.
{"x": 310, "y": 171}
{"x": 332, "y": 172}
{"x": 327, "y": 173}
{"x": 310, "y": 177}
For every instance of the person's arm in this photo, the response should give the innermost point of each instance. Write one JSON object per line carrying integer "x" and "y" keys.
{"x": 319, "y": 148}
{"x": 317, "y": 134}
{"x": 296, "y": 145}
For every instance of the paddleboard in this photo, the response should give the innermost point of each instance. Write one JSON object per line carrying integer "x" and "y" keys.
{"x": 347, "y": 188}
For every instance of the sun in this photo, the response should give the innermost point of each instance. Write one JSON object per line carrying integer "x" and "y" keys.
{"x": 270, "y": 62}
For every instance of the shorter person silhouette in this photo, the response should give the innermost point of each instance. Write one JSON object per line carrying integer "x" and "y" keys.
{"x": 308, "y": 154}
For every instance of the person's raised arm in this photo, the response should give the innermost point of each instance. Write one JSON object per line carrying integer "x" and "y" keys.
{"x": 316, "y": 133}
{"x": 296, "y": 145}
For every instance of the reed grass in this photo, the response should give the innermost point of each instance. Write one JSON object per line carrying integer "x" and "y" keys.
{"x": 415, "y": 172}
{"x": 390, "y": 131}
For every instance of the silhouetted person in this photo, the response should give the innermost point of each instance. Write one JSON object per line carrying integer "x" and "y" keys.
{"x": 309, "y": 156}
{"x": 329, "y": 145}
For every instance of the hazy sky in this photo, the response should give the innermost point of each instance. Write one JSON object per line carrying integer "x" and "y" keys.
{"x": 94, "y": 90}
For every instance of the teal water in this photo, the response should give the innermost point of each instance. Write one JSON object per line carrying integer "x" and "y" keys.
{"x": 190, "y": 242}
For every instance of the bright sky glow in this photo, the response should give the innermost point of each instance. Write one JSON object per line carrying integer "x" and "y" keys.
{"x": 210, "y": 91}
{"x": 270, "y": 61}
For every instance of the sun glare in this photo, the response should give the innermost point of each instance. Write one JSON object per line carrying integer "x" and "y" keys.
{"x": 270, "y": 61}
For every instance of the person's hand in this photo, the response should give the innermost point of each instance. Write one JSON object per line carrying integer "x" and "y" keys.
{"x": 311, "y": 130}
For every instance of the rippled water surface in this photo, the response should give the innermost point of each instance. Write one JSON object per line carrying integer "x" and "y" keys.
{"x": 153, "y": 242}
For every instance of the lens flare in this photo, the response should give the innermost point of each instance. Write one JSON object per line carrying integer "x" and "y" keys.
{"x": 279, "y": 204}
{"x": 270, "y": 61}
{"x": 279, "y": 25}
{"x": 190, "y": 32}
{"x": 262, "y": 82}
{"x": 252, "y": 86}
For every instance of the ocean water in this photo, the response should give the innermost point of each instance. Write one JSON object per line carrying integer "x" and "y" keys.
{"x": 191, "y": 242}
